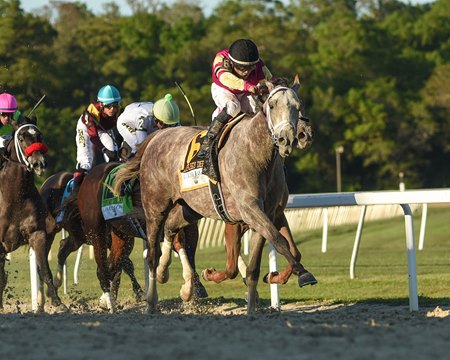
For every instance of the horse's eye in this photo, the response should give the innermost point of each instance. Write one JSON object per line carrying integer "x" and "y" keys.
{"x": 20, "y": 138}
{"x": 271, "y": 106}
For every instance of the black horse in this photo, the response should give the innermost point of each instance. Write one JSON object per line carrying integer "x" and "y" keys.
{"x": 23, "y": 215}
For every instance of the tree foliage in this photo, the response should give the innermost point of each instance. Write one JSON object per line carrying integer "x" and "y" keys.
{"x": 375, "y": 75}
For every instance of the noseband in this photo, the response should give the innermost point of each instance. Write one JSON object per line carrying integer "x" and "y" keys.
{"x": 266, "y": 109}
{"x": 24, "y": 154}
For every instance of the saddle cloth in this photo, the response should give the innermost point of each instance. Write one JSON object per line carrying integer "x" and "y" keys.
{"x": 116, "y": 206}
{"x": 191, "y": 175}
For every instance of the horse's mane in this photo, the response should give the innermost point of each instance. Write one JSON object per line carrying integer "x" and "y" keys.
{"x": 132, "y": 167}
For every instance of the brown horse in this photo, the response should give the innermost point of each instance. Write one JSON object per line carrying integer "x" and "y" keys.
{"x": 22, "y": 214}
{"x": 252, "y": 179}
{"x": 52, "y": 191}
{"x": 123, "y": 230}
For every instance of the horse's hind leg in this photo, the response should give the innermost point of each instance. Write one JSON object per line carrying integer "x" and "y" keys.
{"x": 233, "y": 234}
{"x": 67, "y": 246}
{"x": 3, "y": 277}
{"x": 162, "y": 272}
{"x": 121, "y": 247}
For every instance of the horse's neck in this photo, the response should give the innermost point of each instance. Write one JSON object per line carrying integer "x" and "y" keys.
{"x": 14, "y": 170}
{"x": 255, "y": 134}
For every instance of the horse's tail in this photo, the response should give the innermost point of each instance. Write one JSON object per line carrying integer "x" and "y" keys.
{"x": 128, "y": 171}
{"x": 131, "y": 168}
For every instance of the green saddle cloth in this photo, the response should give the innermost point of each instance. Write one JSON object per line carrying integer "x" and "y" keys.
{"x": 116, "y": 206}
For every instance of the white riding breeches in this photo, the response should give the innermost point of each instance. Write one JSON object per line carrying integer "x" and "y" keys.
{"x": 85, "y": 148}
{"x": 235, "y": 103}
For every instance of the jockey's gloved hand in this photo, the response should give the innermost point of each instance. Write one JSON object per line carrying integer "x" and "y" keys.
{"x": 125, "y": 151}
{"x": 112, "y": 156}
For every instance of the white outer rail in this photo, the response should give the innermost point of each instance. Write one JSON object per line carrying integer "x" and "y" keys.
{"x": 401, "y": 198}
{"x": 326, "y": 200}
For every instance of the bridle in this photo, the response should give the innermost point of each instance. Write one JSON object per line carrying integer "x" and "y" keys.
{"x": 266, "y": 110}
{"x": 24, "y": 154}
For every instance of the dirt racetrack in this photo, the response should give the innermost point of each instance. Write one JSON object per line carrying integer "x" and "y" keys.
{"x": 219, "y": 329}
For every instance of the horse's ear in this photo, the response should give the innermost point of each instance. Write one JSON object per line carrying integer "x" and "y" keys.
{"x": 29, "y": 120}
{"x": 296, "y": 84}
{"x": 269, "y": 84}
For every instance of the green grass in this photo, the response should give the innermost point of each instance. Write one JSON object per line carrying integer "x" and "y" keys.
{"x": 381, "y": 269}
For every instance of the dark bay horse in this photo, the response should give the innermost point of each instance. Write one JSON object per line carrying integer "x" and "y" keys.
{"x": 252, "y": 178}
{"x": 119, "y": 234}
{"x": 22, "y": 213}
{"x": 52, "y": 191}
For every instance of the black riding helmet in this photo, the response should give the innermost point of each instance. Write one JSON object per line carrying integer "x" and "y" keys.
{"x": 244, "y": 53}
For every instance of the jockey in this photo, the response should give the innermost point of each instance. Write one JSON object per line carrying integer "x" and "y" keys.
{"x": 8, "y": 113}
{"x": 236, "y": 73}
{"x": 140, "y": 119}
{"x": 93, "y": 128}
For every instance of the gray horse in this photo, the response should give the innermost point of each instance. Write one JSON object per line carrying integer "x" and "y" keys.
{"x": 252, "y": 179}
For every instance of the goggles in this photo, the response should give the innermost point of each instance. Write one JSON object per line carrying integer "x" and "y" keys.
{"x": 244, "y": 68}
{"x": 111, "y": 106}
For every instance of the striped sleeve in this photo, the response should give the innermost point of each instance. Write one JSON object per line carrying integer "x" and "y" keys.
{"x": 224, "y": 75}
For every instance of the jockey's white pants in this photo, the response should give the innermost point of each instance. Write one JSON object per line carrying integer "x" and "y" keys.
{"x": 235, "y": 103}
{"x": 86, "y": 149}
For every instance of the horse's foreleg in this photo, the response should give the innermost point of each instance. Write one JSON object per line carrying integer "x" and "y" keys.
{"x": 233, "y": 234}
{"x": 253, "y": 270}
{"x": 67, "y": 246}
{"x": 37, "y": 241}
{"x": 3, "y": 277}
{"x": 191, "y": 236}
{"x": 304, "y": 276}
{"x": 282, "y": 277}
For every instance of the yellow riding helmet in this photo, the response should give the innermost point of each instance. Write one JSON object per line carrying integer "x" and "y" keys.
{"x": 166, "y": 110}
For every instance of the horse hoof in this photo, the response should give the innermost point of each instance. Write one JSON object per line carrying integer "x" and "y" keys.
{"x": 306, "y": 279}
{"x": 200, "y": 291}
{"x": 206, "y": 273}
{"x": 61, "y": 308}
{"x": 267, "y": 278}
{"x": 140, "y": 296}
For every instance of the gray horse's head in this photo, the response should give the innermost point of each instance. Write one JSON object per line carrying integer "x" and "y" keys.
{"x": 282, "y": 110}
{"x": 29, "y": 148}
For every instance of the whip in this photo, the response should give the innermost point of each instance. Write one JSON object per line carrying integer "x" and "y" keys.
{"x": 187, "y": 100}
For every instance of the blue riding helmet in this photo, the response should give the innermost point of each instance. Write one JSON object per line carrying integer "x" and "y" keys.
{"x": 109, "y": 94}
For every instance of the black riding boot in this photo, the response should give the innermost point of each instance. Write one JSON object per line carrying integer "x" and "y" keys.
{"x": 213, "y": 130}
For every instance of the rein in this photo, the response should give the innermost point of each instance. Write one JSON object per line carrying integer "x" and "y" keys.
{"x": 24, "y": 154}
{"x": 266, "y": 111}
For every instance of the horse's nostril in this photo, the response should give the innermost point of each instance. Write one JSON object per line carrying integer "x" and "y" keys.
{"x": 281, "y": 141}
{"x": 302, "y": 136}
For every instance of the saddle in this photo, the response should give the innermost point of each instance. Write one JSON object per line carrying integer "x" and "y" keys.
{"x": 211, "y": 164}
{"x": 198, "y": 173}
